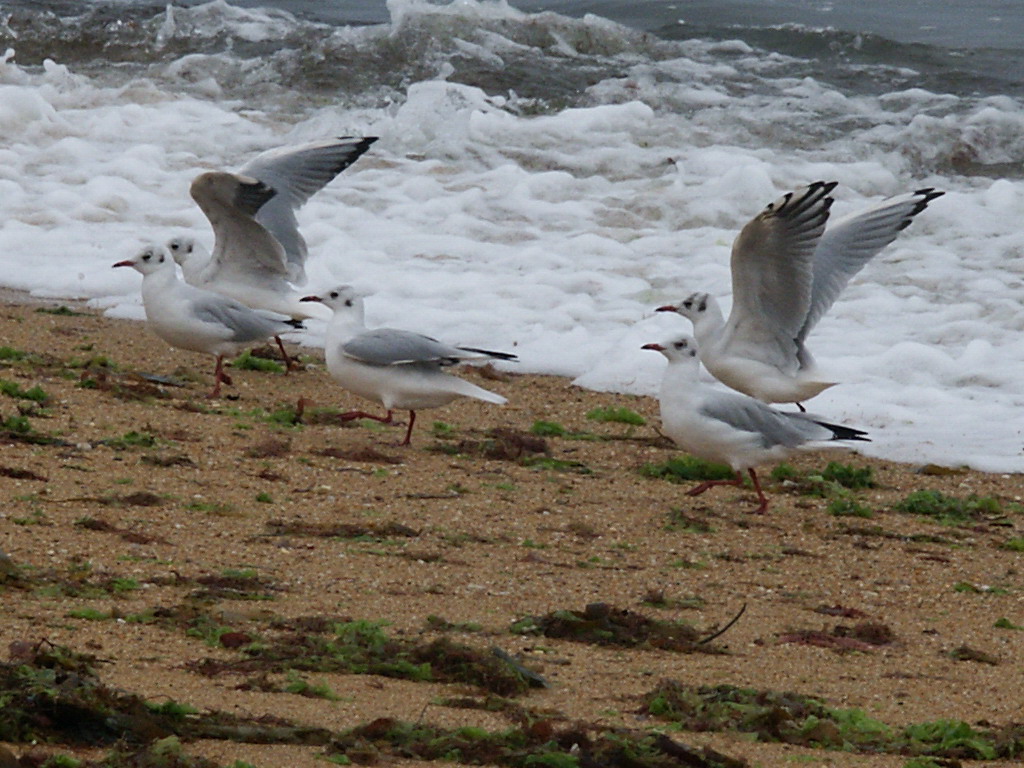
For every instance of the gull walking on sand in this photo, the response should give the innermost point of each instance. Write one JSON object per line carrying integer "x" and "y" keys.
{"x": 399, "y": 369}
{"x": 258, "y": 250}
{"x": 787, "y": 270}
{"x": 192, "y": 318}
{"x": 728, "y": 427}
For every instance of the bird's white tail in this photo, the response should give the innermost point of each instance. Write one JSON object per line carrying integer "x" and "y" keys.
{"x": 472, "y": 390}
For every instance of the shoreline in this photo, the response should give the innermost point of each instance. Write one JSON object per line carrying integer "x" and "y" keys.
{"x": 18, "y": 297}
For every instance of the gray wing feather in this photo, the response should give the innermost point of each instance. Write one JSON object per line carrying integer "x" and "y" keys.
{"x": 240, "y": 242}
{"x": 243, "y": 323}
{"x": 772, "y": 426}
{"x": 296, "y": 174}
{"x": 852, "y": 242}
{"x": 772, "y": 266}
{"x": 390, "y": 346}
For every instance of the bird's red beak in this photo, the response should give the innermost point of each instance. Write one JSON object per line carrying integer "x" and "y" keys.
{"x": 312, "y": 298}
{"x": 667, "y": 308}
{"x": 126, "y": 263}
{"x": 654, "y": 346}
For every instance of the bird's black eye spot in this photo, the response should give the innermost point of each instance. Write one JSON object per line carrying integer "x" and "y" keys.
{"x": 147, "y": 256}
{"x": 680, "y": 345}
{"x": 688, "y": 303}
{"x": 348, "y": 302}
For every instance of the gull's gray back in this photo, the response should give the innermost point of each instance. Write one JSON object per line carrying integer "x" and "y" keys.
{"x": 244, "y": 324}
{"x": 772, "y": 427}
{"x": 390, "y": 346}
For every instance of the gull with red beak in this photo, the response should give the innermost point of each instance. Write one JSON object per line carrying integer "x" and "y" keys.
{"x": 731, "y": 428}
{"x": 202, "y": 321}
{"x": 398, "y": 369}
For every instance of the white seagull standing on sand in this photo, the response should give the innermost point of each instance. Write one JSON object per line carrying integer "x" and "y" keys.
{"x": 258, "y": 250}
{"x": 192, "y": 318}
{"x": 399, "y": 369}
{"x": 727, "y": 427}
{"x": 787, "y": 270}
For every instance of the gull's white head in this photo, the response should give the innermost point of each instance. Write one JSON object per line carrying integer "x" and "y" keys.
{"x": 677, "y": 349}
{"x": 344, "y": 299}
{"x": 694, "y": 307}
{"x": 150, "y": 259}
{"x": 181, "y": 248}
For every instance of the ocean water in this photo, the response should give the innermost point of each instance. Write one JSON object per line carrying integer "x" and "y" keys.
{"x": 550, "y": 172}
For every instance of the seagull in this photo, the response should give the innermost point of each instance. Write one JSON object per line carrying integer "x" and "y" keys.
{"x": 258, "y": 250}
{"x": 787, "y": 270}
{"x": 196, "y": 319}
{"x": 399, "y": 369}
{"x": 727, "y": 427}
{"x": 295, "y": 174}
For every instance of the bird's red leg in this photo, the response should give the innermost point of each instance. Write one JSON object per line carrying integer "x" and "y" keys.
{"x": 389, "y": 419}
{"x": 224, "y": 376}
{"x": 218, "y": 377}
{"x": 289, "y": 363}
{"x": 738, "y": 480}
{"x": 351, "y": 415}
{"x": 408, "y": 432}
{"x": 760, "y": 494}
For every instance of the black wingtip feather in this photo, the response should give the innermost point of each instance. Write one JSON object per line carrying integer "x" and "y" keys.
{"x": 815, "y": 199}
{"x": 358, "y": 150}
{"x": 839, "y": 432}
{"x": 927, "y": 195}
{"x": 492, "y": 353}
{"x": 365, "y": 141}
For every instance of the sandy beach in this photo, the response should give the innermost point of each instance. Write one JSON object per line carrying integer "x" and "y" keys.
{"x": 125, "y": 493}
